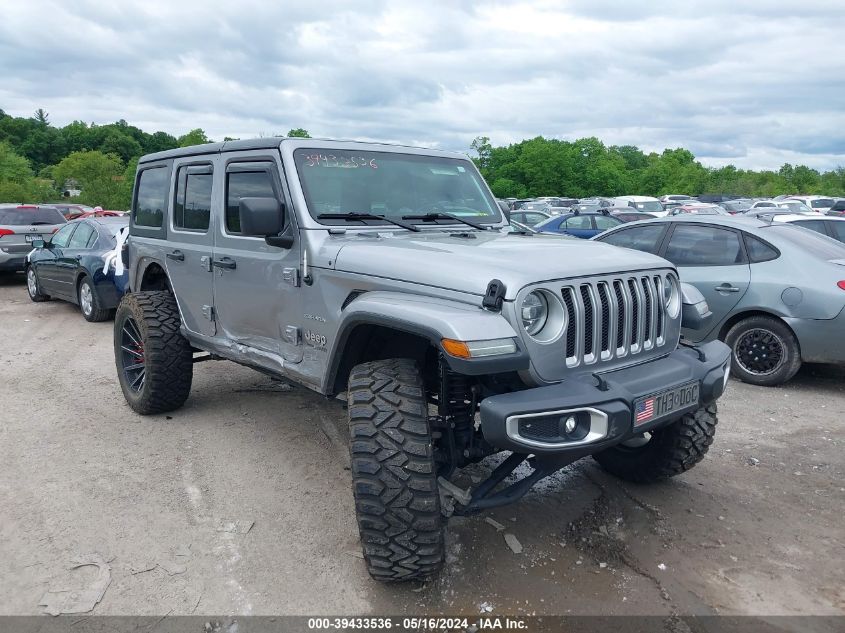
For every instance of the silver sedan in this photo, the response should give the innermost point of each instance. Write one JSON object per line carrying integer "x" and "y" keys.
{"x": 777, "y": 291}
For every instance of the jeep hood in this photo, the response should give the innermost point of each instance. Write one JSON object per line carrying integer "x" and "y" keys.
{"x": 466, "y": 262}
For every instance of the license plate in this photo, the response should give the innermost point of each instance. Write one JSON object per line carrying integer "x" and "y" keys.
{"x": 31, "y": 238}
{"x": 665, "y": 403}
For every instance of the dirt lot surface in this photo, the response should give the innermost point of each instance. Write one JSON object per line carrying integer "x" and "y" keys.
{"x": 168, "y": 501}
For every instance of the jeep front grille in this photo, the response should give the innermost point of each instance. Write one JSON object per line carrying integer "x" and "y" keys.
{"x": 613, "y": 318}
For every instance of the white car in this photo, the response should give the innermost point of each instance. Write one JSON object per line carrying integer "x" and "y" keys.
{"x": 675, "y": 197}
{"x": 821, "y": 204}
{"x": 764, "y": 203}
{"x": 646, "y": 204}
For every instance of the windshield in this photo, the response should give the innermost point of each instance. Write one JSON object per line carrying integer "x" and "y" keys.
{"x": 648, "y": 206}
{"x": 821, "y": 203}
{"x": 391, "y": 184}
{"x": 31, "y": 216}
{"x": 810, "y": 241}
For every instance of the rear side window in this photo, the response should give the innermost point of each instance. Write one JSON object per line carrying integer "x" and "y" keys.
{"x": 813, "y": 225}
{"x": 641, "y": 238}
{"x": 192, "y": 207}
{"x": 604, "y": 222}
{"x": 838, "y": 230}
{"x": 151, "y": 198}
{"x": 245, "y": 184}
{"x": 578, "y": 222}
{"x": 758, "y": 250}
{"x": 703, "y": 246}
{"x": 81, "y": 236}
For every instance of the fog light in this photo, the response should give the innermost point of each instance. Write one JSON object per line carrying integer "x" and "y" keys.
{"x": 574, "y": 426}
{"x": 569, "y": 425}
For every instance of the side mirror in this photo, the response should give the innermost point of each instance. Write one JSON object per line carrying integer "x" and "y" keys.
{"x": 261, "y": 217}
{"x": 695, "y": 313}
{"x": 38, "y": 243}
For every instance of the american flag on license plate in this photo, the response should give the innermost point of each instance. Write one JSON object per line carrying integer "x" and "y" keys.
{"x": 645, "y": 410}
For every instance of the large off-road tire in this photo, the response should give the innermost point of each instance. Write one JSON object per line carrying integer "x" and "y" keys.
{"x": 89, "y": 302}
{"x": 764, "y": 351}
{"x": 669, "y": 451}
{"x": 33, "y": 286}
{"x": 393, "y": 472}
{"x": 154, "y": 361}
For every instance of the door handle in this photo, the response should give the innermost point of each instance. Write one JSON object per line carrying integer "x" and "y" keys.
{"x": 224, "y": 262}
{"x": 178, "y": 256}
{"x": 726, "y": 288}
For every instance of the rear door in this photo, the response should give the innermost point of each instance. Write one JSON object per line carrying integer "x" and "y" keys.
{"x": 712, "y": 259}
{"x": 190, "y": 242}
{"x": 257, "y": 297}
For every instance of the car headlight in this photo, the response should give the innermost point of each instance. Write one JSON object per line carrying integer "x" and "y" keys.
{"x": 672, "y": 296}
{"x": 534, "y": 312}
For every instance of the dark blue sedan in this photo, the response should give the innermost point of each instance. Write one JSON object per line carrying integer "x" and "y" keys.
{"x": 78, "y": 264}
{"x": 579, "y": 224}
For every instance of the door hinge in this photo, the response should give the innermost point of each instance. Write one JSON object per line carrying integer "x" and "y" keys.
{"x": 208, "y": 313}
{"x": 292, "y": 334}
{"x": 291, "y": 276}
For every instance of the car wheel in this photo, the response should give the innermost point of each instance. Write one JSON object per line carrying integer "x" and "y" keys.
{"x": 154, "y": 361}
{"x": 764, "y": 351}
{"x": 33, "y": 287}
{"x": 89, "y": 302}
{"x": 664, "y": 452}
{"x": 394, "y": 476}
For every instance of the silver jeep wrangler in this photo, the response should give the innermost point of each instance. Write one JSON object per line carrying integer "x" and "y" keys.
{"x": 389, "y": 273}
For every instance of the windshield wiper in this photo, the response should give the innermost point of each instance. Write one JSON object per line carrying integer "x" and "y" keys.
{"x": 355, "y": 215}
{"x": 437, "y": 215}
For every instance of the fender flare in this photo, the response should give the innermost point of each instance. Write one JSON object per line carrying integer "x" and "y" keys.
{"x": 433, "y": 319}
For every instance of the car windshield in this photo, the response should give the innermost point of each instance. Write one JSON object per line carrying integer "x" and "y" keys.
{"x": 648, "y": 206}
{"x": 31, "y": 216}
{"x": 392, "y": 184}
{"x": 810, "y": 241}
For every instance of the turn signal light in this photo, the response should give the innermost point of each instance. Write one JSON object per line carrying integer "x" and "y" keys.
{"x": 455, "y": 348}
{"x": 478, "y": 349}
{"x": 841, "y": 284}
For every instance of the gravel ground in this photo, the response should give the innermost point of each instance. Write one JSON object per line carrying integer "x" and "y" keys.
{"x": 240, "y": 502}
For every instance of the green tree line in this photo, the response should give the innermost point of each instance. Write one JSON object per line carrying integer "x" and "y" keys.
{"x": 587, "y": 167}
{"x": 38, "y": 160}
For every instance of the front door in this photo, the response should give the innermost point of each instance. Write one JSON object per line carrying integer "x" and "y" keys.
{"x": 256, "y": 286}
{"x": 68, "y": 262}
{"x": 712, "y": 259}
{"x": 190, "y": 241}
{"x": 47, "y": 268}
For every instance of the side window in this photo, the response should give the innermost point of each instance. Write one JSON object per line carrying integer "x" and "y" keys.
{"x": 93, "y": 239}
{"x": 641, "y": 238}
{"x": 697, "y": 245}
{"x": 81, "y": 236}
{"x": 758, "y": 250}
{"x": 62, "y": 237}
{"x": 813, "y": 225}
{"x": 604, "y": 222}
{"x": 578, "y": 222}
{"x": 192, "y": 206}
{"x": 245, "y": 184}
{"x": 151, "y": 198}
{"x": 838, "y": 230}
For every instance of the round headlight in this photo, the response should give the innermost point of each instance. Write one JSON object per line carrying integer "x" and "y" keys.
{"x": 534, "y": 312}
{"x": 672, "y": 296}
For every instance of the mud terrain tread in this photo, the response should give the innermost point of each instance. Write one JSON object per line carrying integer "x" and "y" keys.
{"x": 168, "y": 355}
{"x": 393, "y": 473}
{"x": 672, "y": 450}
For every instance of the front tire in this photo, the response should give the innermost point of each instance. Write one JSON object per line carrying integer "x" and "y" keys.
{"x": 394, "y": 477}
{"x": 668, "y": 451}
{"x": 33, "y": 286}
{"x": 89, "y": 302}
{"x": 154, "y": 361}
{"x": 764, "y": 351}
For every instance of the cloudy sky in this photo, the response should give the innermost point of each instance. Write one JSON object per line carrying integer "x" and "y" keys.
{"x": 754, "y": 83}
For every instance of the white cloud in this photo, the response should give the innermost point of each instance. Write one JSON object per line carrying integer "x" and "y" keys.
{"x": 753, "y": 83}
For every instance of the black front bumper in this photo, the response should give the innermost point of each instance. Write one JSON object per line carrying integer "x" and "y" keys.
{"x": 612, "y": 402}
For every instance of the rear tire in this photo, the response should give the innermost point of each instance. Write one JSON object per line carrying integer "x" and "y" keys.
{"x": 154, "y": 361}
{"x": 670, "y": 451}
{"x": 755, "y": 342}
{"x": 89, "y": 302}
{"x": 394, "y": 477}
{"x": 33, "y": 286}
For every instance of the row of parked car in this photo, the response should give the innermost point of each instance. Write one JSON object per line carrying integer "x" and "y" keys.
{"x": 73, "y": 260}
